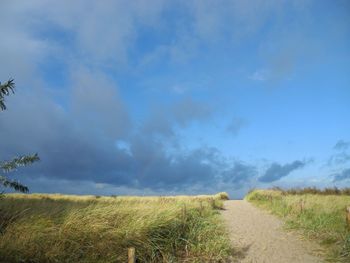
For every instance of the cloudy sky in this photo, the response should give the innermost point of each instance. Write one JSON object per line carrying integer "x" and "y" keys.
{"x": 177, "y": 97}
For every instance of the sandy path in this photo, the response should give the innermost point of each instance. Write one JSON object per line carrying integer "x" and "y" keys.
{"x": 258, "y": 236}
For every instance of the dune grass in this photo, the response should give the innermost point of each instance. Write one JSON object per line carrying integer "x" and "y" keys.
{"x": 319, "y": 217}
{"x": 314, "y": 190}
{"x": 65, "y": 228}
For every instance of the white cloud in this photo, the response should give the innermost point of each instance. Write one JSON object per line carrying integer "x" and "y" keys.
{"x": 99, "y": 31}
{"x": 106, "y": 33}
{"x": 260, "y": 75}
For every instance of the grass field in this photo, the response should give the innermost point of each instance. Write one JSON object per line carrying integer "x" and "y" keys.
{"x": 320, "y": 217}
{"x": 64, "y": 228}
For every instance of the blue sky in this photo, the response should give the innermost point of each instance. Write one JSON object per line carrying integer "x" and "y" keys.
{"x": 173, "y": 97}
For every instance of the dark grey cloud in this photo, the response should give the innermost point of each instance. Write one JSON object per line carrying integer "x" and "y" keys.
{"x": 85, "y": 151}
{"x": 342, "y": 156}
{"x": 163, "y": 119}
{"x": 79, "y": 144}
{"x": 239, "y": 174}
{"x": 344, "y": 175}
{"x": 158, "y": 123}
{"x": 339, "y": 158}
{"x": 96, "y": 104}
{"x": 276, "y": 171}
{"x": 34, "y": 123}
{"x": 156, "y": 169}
{"x": 188, "y": 109}
{"x": 341, "y": 145}
{"x": 236, "y": 125}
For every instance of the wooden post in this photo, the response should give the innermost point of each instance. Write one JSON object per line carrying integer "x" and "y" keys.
{"x": 131, "y": 255}
{"x": 348, "y": 216}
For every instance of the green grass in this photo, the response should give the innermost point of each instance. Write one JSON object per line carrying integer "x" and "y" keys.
{"x": 319, "y": 217}
{"x": 62, "y": 228}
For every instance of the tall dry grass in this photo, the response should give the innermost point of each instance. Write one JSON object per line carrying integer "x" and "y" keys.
{"x": 314, "y": 190}
{"x": 62, "y": 228}
{"x": 321, "y": 217}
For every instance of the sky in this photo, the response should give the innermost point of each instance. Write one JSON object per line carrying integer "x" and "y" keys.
{"x": 153, "y": 97}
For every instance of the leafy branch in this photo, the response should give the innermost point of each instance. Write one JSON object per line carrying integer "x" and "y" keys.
{"x": 5, "y": 90}
{"x": 8, "y": 166}
{"x": 13, "y": 184}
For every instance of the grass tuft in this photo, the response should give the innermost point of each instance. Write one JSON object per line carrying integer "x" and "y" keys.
{"x": 222, "y": 196}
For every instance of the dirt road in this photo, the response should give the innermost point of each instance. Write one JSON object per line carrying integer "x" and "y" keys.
{"x": 258, "y": 236}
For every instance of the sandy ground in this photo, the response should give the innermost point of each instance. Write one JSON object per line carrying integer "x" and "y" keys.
{"x": 258, "y": 237}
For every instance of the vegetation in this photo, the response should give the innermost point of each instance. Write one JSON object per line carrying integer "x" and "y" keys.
{"x": 8, "y": 166}
{"x": 321, "y": 217}
{"x": 314, "y": 190}
{"x": 66, "y": 228}
{"x": 222, "y": 196}
{"x": 5, "y": 90}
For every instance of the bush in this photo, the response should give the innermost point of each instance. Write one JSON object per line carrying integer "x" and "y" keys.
{"x": 223, "y": 196}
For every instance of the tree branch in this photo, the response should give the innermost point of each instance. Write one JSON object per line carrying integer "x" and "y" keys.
{"x": 13, "y": 184}
{"x": 5, "y": 90}
{"x": 9, "y": 166}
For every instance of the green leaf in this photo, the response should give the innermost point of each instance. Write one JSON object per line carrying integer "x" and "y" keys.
{"x": 5, "y": 90}
{"x": 9, "y": 166}
{"x": 13, "y": 184}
